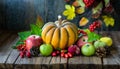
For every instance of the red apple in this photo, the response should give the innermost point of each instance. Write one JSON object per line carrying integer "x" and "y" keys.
{"x": 33, "y": 40}
{"x": 83, "y": 40}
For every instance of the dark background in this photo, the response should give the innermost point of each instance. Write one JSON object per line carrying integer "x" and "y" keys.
{"x": 18, "y": 14}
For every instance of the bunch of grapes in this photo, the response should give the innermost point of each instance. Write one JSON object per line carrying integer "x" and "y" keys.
{"x": 95, "y": 25}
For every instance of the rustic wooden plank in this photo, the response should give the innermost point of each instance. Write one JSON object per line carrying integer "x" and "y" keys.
{"x": 113, "y": 60}
{"x": 46, "y": 62}
{"x": 63, "y": 63}
{"x": 28, "y": 63}
{"x": 55, "y": 63}
{"x": 5, "y": 49}
{"x": 12, "y": 57}
{"x": 80, "y": 62}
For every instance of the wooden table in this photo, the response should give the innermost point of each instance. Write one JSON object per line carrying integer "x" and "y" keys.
{"x": 9, "y": 58}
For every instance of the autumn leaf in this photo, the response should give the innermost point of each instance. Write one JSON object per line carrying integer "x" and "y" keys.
{"x": 108, "y": 20}
{"x": 98, "y": 8}
{"x": 80, "y": 10}
{"x": 106, "y": 2}
{"x": 83, "y": 21}
{"x": 76, "y": 3}
{"x": 69, "y": 12}
{"x": 39, "y": 22}
{"x": 82, "y": 4}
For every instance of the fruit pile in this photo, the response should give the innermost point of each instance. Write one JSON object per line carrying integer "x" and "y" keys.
{"x": 64, "y": 39}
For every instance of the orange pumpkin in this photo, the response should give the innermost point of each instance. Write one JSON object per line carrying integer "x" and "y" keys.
{"x": 60, "y": 34}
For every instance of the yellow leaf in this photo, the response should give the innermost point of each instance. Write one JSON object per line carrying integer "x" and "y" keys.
{"x": 65, "y": 13}
{"x": 80, "y": 10}
{"x": 67, "y": 7}
{"x": 83, "y": 21}
{"x": 69, "y": 12}
{"x": 108, "y": 20}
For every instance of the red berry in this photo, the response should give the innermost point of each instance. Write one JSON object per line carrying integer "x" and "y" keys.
{"x": 66, "y": 56}
{"x": 21, "y": 54}
{"x": 57, "y": 52}
{"x": 70, "y": 55}
{"x": 62, "y": 54}
{"x": 98, "y": 25}
{"x": 88, "y": 3}
{"x": 54, "y": 54}
{"x": 28, "y": 54}
{"x": 94, "y": 27}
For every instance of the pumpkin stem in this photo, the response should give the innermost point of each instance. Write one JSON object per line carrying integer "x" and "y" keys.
{"x": 60, "y": 19}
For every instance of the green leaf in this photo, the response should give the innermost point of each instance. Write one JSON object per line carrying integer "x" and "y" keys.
{"x": 93, "y": 37}
{"x": 82, "y": 4}
{"x": 17, "y": 44}
{"x": 39, "y": 22}
{"x": 24, "y": 35}
{"x": 98, "y": 8}
{"x": 106, "y": 2}
{"x": 35, "y": 29}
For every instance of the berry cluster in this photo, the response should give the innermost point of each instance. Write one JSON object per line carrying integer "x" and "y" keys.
{"x": 62, "y": 53}
{"x": 88, "y": 3}
{"x": 66, "y": 54}
{"x": 23, "y": 51}
{"x": 94, "y": 25}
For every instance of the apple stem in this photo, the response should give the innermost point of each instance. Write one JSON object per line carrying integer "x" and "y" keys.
{"x": 33, "y": 36}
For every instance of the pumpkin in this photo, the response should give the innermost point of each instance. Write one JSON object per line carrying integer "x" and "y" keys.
{"x": 60, "y": 34}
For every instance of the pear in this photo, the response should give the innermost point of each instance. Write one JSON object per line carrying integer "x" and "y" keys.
{"x": 107, "y": 40}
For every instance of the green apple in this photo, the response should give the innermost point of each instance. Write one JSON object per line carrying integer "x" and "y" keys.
{"x": 99, "y": 43}
{"x": 46, "y": 49}
{"x": 88, "y": 49}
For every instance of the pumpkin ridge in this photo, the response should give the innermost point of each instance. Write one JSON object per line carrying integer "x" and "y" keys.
{"x": 63, "y": 38}
{"x": 44, "y": 32}
{"x": 49, "y": 35}
{"x": 71, "y": 35}
{"x": 48, "y": 24}
{"x": 69, "y": 23}
{"x": 55, "y": 38}
{"x": 75, "y": 32}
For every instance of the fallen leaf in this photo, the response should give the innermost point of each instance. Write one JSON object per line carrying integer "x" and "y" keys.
{"x": 39, "y": 22}
{"x": 83, "y": 21}
{"x": 80, "y": 10}
{"x": 76, "y": 3}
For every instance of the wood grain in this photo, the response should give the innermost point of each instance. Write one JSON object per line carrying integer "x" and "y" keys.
{"x": 55, "y": 63}
{"x": 5, "y": 49}
{"x": 84, "y": 62}
{"x": 113, "y": 60}
{"x": 28, "y": 63}
{"x": 46, "y": 62}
